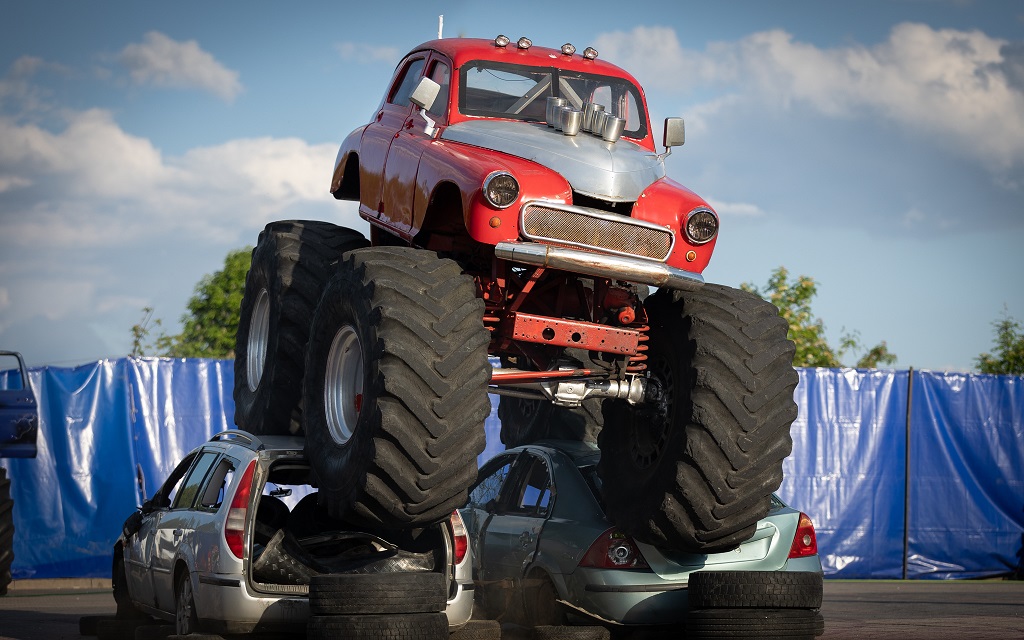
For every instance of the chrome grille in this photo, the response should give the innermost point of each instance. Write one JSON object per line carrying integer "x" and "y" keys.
{"x": 593, "y": 229}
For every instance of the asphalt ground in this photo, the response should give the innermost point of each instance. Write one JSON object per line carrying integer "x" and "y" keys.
{"x": 854, "y": 609}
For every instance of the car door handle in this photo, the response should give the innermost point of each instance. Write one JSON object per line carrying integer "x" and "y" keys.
{"x": 177, "y": 533}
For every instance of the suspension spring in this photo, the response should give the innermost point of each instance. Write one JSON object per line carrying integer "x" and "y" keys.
{"x": 638, "y": 363}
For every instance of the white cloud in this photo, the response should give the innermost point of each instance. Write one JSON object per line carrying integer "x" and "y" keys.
{"x": 364, "y": 53}
{"x": 736, "y": 209}
{"x": 964, "y": 86}
{"x": 165, "y": 62}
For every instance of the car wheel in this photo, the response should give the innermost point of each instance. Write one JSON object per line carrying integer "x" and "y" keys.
{"x": 186, "y": 620}
{"x": 6, "y": 531}
{"x": 118, "y": 628}
{"x": 540, "y": 600}
{"x": 350, "y": 594}
{"x": 754, "y": 623}
{"x": 413, "y": 626}
{"x": 290, "y": 265}
{"x": 755, "y": 589}
{"x": 155, "y": 632}
{"x": 395, "y": 393}
{"x": 695, "y": 468}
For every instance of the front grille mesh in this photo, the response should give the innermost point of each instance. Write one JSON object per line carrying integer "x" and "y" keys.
{"x": 546, "y": 223}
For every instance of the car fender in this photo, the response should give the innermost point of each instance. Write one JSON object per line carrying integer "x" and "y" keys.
{"x": 668, "y": 203}
{"x": 344, "y": 185}
{"x": 467, "y": 168}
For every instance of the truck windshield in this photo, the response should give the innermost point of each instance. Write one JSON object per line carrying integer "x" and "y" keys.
{"x": 519, "y": 92}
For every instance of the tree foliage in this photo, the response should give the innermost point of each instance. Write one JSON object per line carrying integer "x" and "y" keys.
{"x": 209, "y": 327}
{"x": 1009, "y": 352}
{"x": 793, "y": 298}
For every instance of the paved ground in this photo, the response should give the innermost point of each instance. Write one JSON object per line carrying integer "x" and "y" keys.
{"x": 858, "y": 610}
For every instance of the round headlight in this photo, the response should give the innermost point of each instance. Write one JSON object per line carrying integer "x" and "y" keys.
{"x": 501, "y": 189}
{"x": 701, "y": 225}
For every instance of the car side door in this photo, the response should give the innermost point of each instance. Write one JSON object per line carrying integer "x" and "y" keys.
{"x": 174, "y": 528}
{"x": 389, "y": 120}
{"x": 512, "y": 533}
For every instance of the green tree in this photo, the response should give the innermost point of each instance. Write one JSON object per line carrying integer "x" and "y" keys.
{"x": 1009, "y": 351}
{"x": 209, "y": 327}
{"x": 793, "y": 298}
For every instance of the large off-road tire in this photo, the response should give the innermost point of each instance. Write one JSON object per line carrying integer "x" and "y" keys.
{"x": 695, "y": 470}
{"x": 291, "y": 263}
{"x": 524, "y": 421}
{"x": 794, "y": 624}
{"x": 6, "y": 531}
{"x": 402, "y": 626}
{"x": 395, "y": 394}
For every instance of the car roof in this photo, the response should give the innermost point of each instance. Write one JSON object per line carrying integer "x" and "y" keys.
{"x": 258, "y": 443}
{"x": 582, "y": 454}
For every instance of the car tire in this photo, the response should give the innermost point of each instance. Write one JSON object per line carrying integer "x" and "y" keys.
{"x": 412, "y": 626}
{"x": 754, "y": 623}
{"x": 118, "y": 628}
{"x": 755, "y": 589}
{"x": 478, "y": 630}
{"x": 357, "y": 594}
{"x": 695, "y": 469}
{"x": 525, "y": 421}
{"x": 567, "y": 632}
{"x": 186, "y": 620}
{"x": 290, "y": 265}
{"x": 395, "y": 393}
{"x": 87, "y": 624}
{"x": 6, "y": 531}
{"x": 154, "y": 632}
{"x": 540, "y": 600}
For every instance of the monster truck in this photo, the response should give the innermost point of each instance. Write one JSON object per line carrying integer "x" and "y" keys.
{"x": 519, "y": 214}
{"x": 19, "y": 426}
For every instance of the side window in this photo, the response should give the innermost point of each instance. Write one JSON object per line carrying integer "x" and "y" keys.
{"x": 489, "y": 487}
{"x": 168, "y": 491}
{"x": 442, "y": 75}
{"x": 535, "y": 493}
{"x": 190, "y": 490}
{"x": 216, "y": 488}
{"x": 404, "y": 87}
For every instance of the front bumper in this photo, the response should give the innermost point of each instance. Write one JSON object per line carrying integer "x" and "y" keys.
{"x": 600, "y": 265}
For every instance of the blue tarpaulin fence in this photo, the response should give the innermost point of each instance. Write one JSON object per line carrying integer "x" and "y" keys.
{"x": 933, "y": 492}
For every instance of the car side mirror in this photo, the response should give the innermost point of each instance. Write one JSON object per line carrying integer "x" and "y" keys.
{"x": 423, "y": 96}
{"x": 147, "y": 507}
{"x": 132, "y": 524}
{"x": 425, "y": 93}
{"x": 675, "y": 133}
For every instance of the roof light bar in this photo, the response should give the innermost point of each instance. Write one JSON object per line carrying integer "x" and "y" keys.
{"x": 590, "y": 53}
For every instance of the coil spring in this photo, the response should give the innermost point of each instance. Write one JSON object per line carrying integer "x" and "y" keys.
{"x": 638, "y": 363}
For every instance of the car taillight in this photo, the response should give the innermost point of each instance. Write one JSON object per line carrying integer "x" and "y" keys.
{"x": 461, "y": 538}
{"x": 234, "y": 528}
{"x": 614, "y": 550}
{"x": 805, "y": 542}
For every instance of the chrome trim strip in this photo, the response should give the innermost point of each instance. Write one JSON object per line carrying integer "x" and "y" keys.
{"x": 600, "y": 264}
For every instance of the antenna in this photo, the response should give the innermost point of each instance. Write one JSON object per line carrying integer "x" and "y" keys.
{"x": 440, "y": 26}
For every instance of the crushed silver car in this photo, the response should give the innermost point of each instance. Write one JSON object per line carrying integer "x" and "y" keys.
{"x": 235, "y": 542}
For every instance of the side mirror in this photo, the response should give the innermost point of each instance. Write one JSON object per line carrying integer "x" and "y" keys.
{"x": 132, "y": 524}
{"x": 425, "y": 93}
{"x": 675, "y": 133}
{"x": 147, "y": 507}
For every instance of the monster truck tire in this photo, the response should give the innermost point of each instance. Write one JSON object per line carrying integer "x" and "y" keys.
{"x": 6, "y": 531}
{"x": 290, "y": 265}
{"x": 395, "y": 393}
{"x": 350, "y": 594}
{"x": 409, "y": 626}
{"x": 567, "y": 632}
{"x": 524, "y": 421}
{"x": 478, "y": 630}
{"x": 695, "y": 471}
{"x": 755, "y": 589}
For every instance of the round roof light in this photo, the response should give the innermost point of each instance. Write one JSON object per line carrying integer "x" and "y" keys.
{"x": 524, "y": 43}
{"x": 568, "y": 49}
{"x": 590, "y": 53}
{"x": 501, "y": 41}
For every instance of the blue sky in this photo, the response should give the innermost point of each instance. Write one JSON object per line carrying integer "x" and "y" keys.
{"x": 876, "y": 146}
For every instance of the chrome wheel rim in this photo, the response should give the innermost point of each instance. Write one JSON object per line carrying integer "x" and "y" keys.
{"x": 343, "y": 385}
{"x": 183, "y": 621}
{"x": 259, "y": 333}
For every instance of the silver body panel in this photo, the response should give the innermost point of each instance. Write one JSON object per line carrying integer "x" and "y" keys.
{"x": 617, "y": 172}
